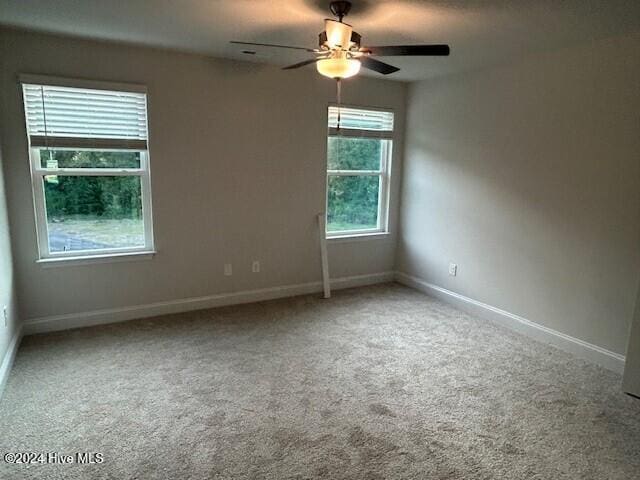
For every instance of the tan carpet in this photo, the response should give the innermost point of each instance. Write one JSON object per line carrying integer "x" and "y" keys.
{"x": 376, "y": 383}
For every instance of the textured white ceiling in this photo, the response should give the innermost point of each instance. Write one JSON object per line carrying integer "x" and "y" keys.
{"x": 480, "y": 32}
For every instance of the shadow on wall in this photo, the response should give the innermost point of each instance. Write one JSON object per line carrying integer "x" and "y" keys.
{"x": 527, "y": 177}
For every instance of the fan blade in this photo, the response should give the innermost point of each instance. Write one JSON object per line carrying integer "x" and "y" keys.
{"x": 301, "y": 64}
{"x": 377, "y": 65}
{"x": 406, "y": 50}
{"x": 272, "y": 45}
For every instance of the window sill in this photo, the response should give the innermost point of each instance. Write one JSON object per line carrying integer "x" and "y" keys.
{"x": 358, "y": 237}
{"x": 94, "y": 259}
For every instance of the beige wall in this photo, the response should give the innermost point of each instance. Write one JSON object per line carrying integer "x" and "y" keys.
{"x": 631, "y": 382}
{"x": 528, "y": 177}
{"x": 238, "y": 158}
{"x": 7, "y": 278}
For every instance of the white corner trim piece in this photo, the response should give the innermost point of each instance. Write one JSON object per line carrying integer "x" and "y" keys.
{"x": 9, "y": 358}
{"x": 112, "y": 315}
{"x": 584, "y": 350}
{"x": 322, "y": 229}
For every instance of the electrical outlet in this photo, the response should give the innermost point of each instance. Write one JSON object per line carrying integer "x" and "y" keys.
{"x": 255, "y": 266}
{"x": 228, "y": 270}
{"x": 5, "y": 314}
{"x": 453, "y": 269}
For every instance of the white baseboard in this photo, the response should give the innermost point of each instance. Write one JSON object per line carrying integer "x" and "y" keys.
{"x": 111, "y": 315}
{"x": 9, "y": 357}
{"x": 362, "y": 280}
{"x": 587, "y": 351}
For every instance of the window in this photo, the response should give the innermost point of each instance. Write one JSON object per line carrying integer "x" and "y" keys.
{"x": 358, "y": 166}
{"x": 89, "y": 167}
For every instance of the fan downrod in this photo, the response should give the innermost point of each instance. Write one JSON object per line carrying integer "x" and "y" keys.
{"x": 340, "y": 9}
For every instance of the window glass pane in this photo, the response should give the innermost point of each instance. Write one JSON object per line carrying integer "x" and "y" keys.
{"x": 353, "y": 203}
{"x": 347, "y": 153}
{"x": 62, "y": 158}
{"x": 93, "y": 213}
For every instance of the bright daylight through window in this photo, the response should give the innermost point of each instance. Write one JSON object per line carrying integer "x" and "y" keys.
{"x": 89, "y": 168}
{"x": 359, "y": 153}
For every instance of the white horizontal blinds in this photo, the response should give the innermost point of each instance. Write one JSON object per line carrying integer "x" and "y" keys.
{"x": 68, "y": 117}
{"x": 355, "y": 122}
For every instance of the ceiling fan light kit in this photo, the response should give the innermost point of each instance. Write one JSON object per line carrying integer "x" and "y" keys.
{"x": 337, "y": 41}
{"x": 338, "y": 67}
{"x": 340, "y": 54}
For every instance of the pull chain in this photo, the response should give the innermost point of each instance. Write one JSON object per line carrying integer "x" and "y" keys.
{"x": 46, "y": 133}
{"x": 339, "y": 95}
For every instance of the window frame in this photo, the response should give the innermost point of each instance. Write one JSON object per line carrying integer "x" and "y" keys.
{"x": 38, "y": 174}
{"x": 384, "y": 175}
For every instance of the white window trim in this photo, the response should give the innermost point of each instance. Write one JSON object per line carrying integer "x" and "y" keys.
{"x": 38, "y": 174}
{"x": 360, "y": 237}
{"x": 94, "y": 259}
{"x": 80, "y": 83}
{"x": 37, "y": 181}
{"x": 384, "y": 174}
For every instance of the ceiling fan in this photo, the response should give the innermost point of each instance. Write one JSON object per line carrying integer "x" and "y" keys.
{"x": 340, "y": 53}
